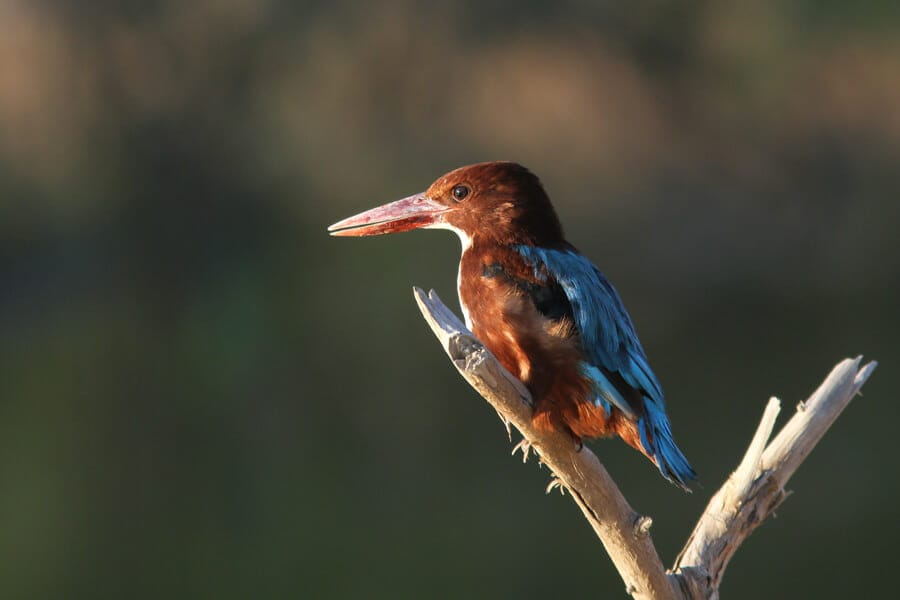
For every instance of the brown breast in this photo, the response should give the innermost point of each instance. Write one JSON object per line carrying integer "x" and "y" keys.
{"x": 543, "y": 353}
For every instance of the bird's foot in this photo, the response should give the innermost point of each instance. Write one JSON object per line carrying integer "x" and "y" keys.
{"x": 556, "y": 483}
{"x": 525, "y": 446}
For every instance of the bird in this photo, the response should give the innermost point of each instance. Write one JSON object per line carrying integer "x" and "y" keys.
{"x": 548, "y": 315}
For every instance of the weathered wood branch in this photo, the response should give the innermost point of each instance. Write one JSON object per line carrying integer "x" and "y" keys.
{"x": 747, "y": 498}
{"x": 756, "y": 488}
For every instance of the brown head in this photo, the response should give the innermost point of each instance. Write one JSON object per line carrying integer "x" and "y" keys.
{"x": 495, "y": 202}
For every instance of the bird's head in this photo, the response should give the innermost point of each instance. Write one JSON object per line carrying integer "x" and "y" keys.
{"x": 500, "y": 202}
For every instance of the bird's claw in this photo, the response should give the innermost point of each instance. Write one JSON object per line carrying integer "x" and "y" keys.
{"x": 525, "y": 446}
{"x": 556, "y": 483}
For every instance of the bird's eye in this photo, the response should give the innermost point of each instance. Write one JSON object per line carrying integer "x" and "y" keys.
{"x": 460, "y": 192}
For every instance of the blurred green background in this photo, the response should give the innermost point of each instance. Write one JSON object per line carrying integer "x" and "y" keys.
{"x": 203, "y": 395}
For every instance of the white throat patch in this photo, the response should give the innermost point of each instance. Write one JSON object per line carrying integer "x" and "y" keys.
{"x": 466, "y": 242}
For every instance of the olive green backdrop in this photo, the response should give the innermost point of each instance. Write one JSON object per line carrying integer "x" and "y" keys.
{"x": 203, "y": 395}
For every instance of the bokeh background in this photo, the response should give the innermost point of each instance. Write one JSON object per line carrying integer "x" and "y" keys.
{"x": 203, "y": 395}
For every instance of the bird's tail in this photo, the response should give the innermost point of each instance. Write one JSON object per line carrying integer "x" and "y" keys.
{"x": 656, "y": 437}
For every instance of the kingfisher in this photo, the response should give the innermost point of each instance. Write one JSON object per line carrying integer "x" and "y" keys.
{"x": 548, "y": 315}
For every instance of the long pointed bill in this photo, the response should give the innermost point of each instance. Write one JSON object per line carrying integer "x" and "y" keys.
{"x": 402, "y": 215}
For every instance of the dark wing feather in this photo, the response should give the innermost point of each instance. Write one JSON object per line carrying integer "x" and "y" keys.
{"x": 614, "y": 354}
{"x": 548, "y": 296}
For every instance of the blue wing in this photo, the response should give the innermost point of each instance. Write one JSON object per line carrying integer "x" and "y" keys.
{"x": 613, "y": 353}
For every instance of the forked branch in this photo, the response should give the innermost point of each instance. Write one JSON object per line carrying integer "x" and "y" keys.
{"x": 746, "y": 499}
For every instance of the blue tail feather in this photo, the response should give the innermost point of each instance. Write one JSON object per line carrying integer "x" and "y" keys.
{"x": 656, "y": 436}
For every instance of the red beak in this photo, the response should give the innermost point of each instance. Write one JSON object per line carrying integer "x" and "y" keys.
{"x": 409, "y": 213}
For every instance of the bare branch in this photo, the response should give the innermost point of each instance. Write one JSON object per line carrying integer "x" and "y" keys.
{"x": 746, "y": 499}
{"x": 756, "y": 488}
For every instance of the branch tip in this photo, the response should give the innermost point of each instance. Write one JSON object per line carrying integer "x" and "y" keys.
{"x": 749, "y": 468}
{"x": 865, "y": 372}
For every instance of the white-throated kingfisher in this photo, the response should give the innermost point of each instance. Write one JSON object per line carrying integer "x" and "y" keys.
{"x": 545, "y": 311}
